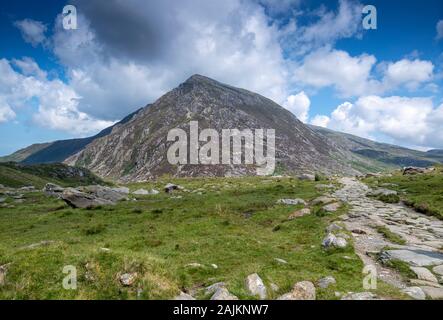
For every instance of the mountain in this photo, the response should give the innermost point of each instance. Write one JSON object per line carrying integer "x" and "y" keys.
{"x": 58, "y": 151}
{"x": 137, "y": 149}
{"x": 378, "y": 156}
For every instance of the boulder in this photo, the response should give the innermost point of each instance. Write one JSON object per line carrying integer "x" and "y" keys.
{"x": 331, "y": 241}
{"x": 128, "y": 279}
{"x": 124, "y": 190}
{"x": 414, "y": 257}
{"x": 102, "y": 192}
{"x": 333, "y": 227}
{"x": 415, "y": 293}
{"x": 171, "y": 187}
{"x": 214, "y": 287}
{"x": 143, "y": 192}
{"x": 223, "y": 294}
{"x": 360, "y": 296}
{"x": 381, "y": 192}
{"x": 54, "y": 190}
{"x": 326, "y": 282}
{"x": 299, "y": 213}
{"x": 255, "y": 285}
{"x": 424, "y": 274}
{"x": 332, "y": 207}
{"x": 433, "y": 293}
{"x": 304, "y": 290}
{"x": 323, "y": 200}
{"x": 184, "y": 296}
{"x": 77, "y": 199}
{"x": 413, "y": 170}
{"x": 438, "y": 270}
{"x": 292, "y": 202}
{"x": 307, "y": 176}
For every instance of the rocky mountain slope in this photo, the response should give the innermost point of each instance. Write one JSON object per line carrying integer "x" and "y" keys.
{"x": 375, "y": 156}
{"x": 137, "y": 150}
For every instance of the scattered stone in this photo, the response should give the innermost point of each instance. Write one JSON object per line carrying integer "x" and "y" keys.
{"x": 223, "y": 294}
{"x": 415, "y": 257}
{"x": 171, "y": 187}
{"x": 304, "y": 290}
{"x": 124, "y": 190}
{"x": 105, "y": 249}
{"x": 214, "y": 265}
{"x": 291, "y": 201}
{"x": 415, "y": 293}
{"x": 326, "y": 282}
{"x": 255, "y": 285}
{"x": 143, "y": 192}
{"x": 332, "y": 241}
{"x": 274, "y": 287}
{"x": 324, "y": 186}
{"x": 381, "y": 192}
{"x": 360, "y": 296}
{"x": 332, "y": 207}
{"x": 424, "y": 274}
{"x": 418, "y": 282}
{"x": 43, "y": 243}
{"x": 128, "y": 279}
{"x": 306, "y": 176}
{"x": 184, "y": 296}
{"x": 333, "y": 227}
{"x": 194, "y": 265}
{"x": 3, "y": 271}
{"x": 299, "y": 213}
{"x": 214, "y": 287}
{"x": 433, "y": 293}
{"x": 54, "y": 190}
{"x": 77, "y": 199}
{"x": 438, "y": 270}
{"x": 323, "y": 200}
{"x": 281, "y": 261}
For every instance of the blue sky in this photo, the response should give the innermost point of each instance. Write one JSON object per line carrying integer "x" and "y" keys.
{"x": 312, "y": 57}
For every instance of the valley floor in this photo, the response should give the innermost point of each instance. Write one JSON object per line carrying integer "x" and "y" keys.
{"x": 214, "y": 230}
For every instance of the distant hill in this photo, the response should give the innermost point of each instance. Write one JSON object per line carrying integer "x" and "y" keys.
{"x": 17, "y": 175}
{"x": 58, "y": 151}
{"x": 379, "y": 156}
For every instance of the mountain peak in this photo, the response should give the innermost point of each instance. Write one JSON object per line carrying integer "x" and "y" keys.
{"x": 199, "y": 79}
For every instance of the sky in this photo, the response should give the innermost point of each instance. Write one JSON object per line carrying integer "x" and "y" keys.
{"x": 314, "y": 58}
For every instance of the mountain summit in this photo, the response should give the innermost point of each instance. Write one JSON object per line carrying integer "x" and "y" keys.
{"x": 137, "y": 149}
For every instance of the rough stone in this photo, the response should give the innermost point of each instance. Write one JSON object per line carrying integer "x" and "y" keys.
{"x": 214, "y": 287}
{"x": 332, "y": 207}
{"x": 415, "y": 257}
{"x": 304, "y": 290}
{"x": 424, "y": 274}
{"x": 51, "y": 189}
{"x": 291, "y": 201}
{"x": 143, "y": 192}
{"x": 323, "y": 200}
{"x": 128, "y": 279}
{"x": 255, "y": 285}
{"x": 124, "y": 190}
{"x": 77, "y": 199}
{"x": 299, "y": 213}
{"x": 415, "y": 293}
{"x": 326, "y": 282}
{"x": 433, "y": 293}
{"x": 438, "y": 270}
{"x": 223, "y": 294}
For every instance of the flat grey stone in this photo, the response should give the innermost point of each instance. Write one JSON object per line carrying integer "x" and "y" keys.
{"x": 414, "y": 257}
{"x": 415, "y": 292}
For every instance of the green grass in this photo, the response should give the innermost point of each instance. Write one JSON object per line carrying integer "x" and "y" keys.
{"x": 235, "y": 223}
{"x": 423, "y": 192}
{"x": 389, "y": 235}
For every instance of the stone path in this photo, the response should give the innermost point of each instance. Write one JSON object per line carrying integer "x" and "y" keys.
{"x": 423, "y": 235}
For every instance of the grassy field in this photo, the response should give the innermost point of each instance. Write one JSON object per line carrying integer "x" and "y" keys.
{"x": 423, "y": 192}
{"x": 234, "y": 224}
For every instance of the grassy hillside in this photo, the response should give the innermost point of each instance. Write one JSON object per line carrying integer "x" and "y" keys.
{"x": 424, "y": 192}
{"x": 22, "y": 154}
{"x": 17, "y": 175}
{"x": 234, "y": 224}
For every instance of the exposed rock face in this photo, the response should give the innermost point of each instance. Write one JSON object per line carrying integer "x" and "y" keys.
{"x": 137, "y": 150}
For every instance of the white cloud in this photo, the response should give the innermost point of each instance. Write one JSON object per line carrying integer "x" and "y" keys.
{"x": 321, "y": 121}
{"x": 439, "y": 28}
{"x": 403, "y": 120}
{"x": 299, "y": 105}
{"x": 356, "y": 75}
{"x": 348, "y": 75}
{"x": 32, "y": 31}
{"x": 409, "y": 72}
{"x": 57, "y": 103}
{"x": 29, "y": 67}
